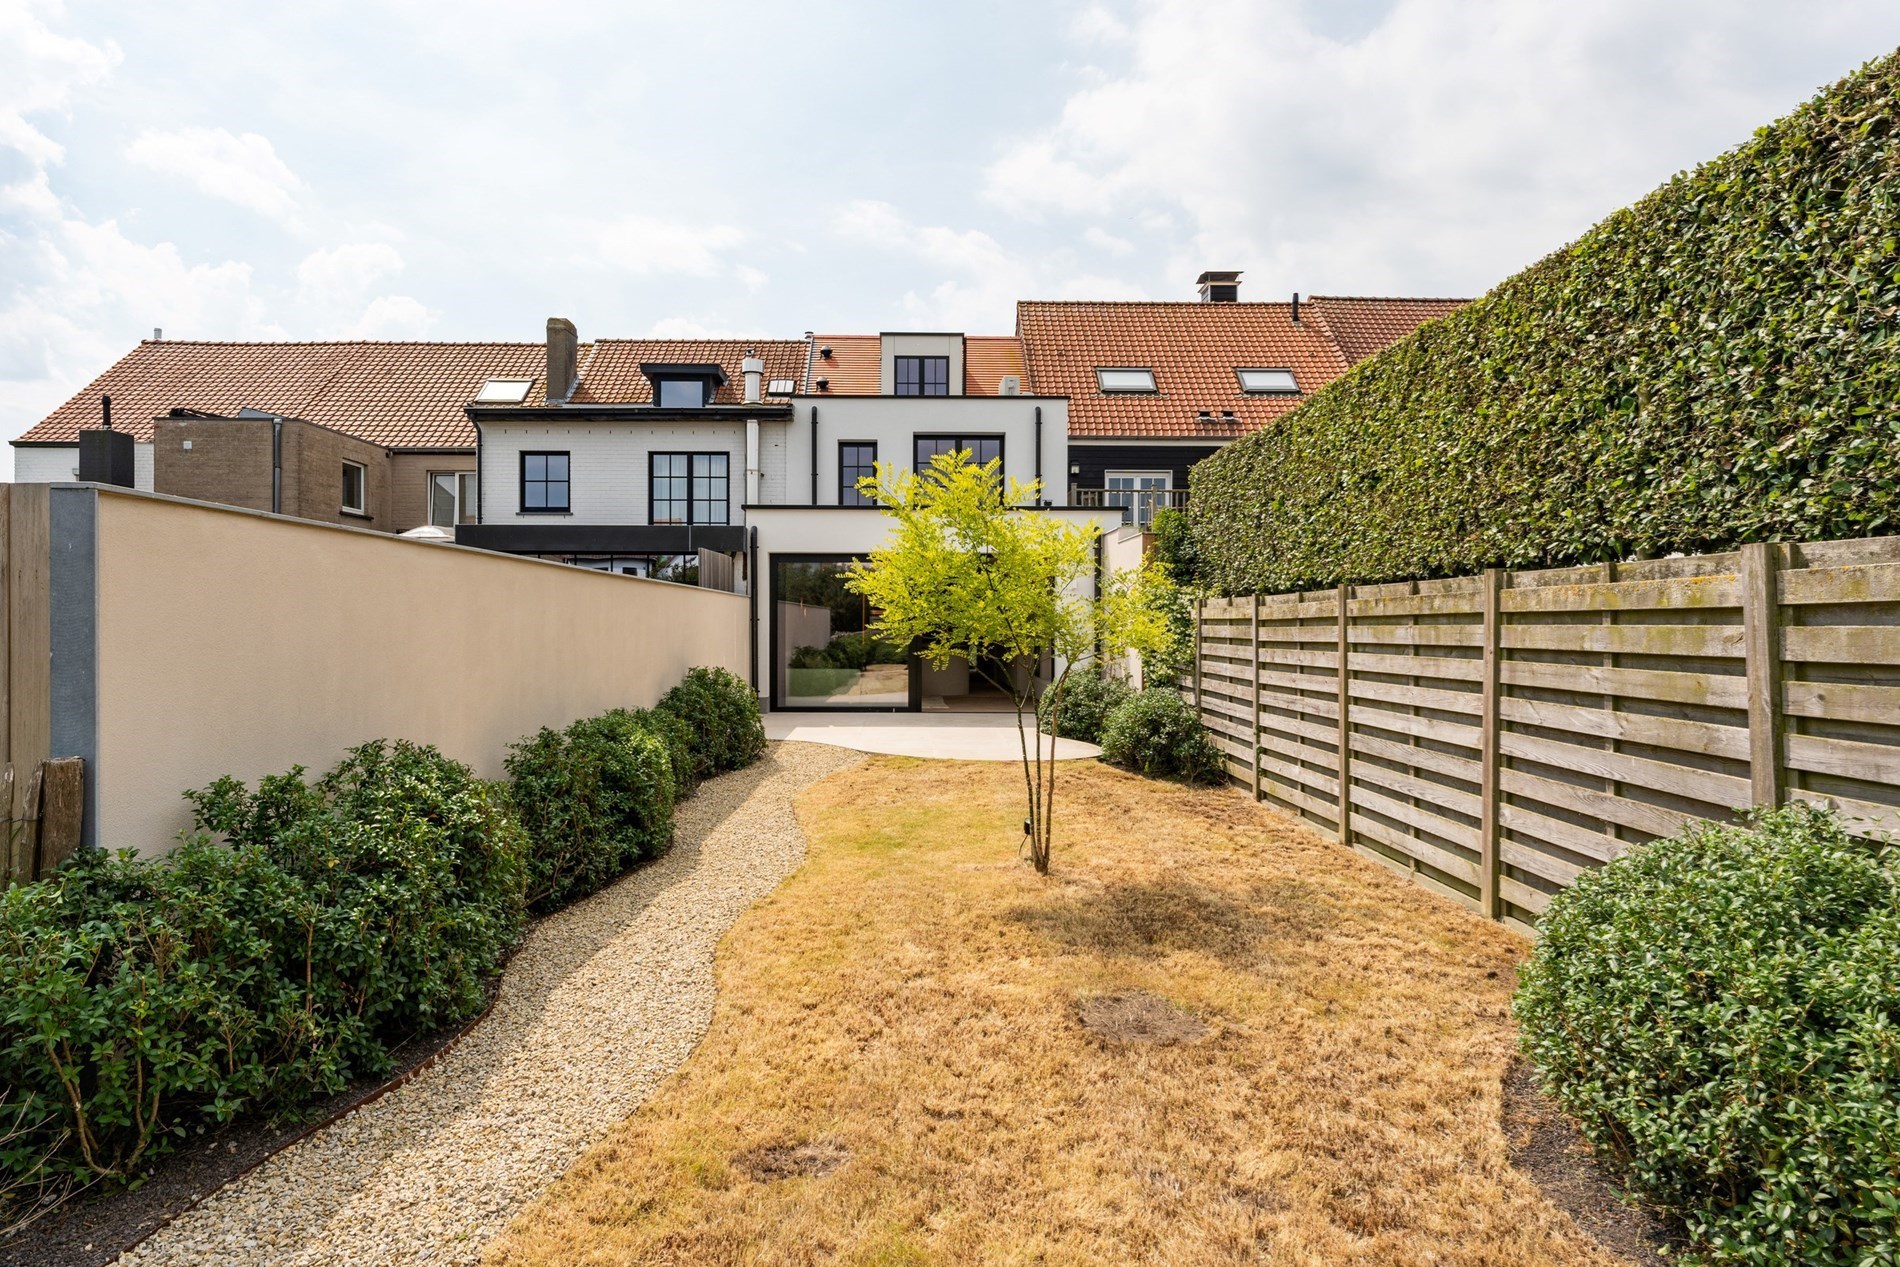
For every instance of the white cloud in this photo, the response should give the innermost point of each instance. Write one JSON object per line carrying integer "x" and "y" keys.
{"x": 689, "y": 328}
{"x": 1102, "y": 240}
{"x": 1096, "y": 24}
{"x": 393, "y": 317}
{"x": 42, "y": 72}
{"x": 1443, "y": 146}
{"x": 244, "y": 170}
{"x": 345, "y": 272}
{"x": 754, "y": 280}
{"x": 646, "y": 245}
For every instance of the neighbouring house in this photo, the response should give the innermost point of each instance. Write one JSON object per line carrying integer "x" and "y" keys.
{"x": 374, "y": 434}
{"x": 1155, "y": 387}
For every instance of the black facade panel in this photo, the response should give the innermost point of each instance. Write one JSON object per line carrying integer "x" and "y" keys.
{"x": 1096, "y": 460}
{"x": 600, "y": 538}
{"x": 105, "y": 457}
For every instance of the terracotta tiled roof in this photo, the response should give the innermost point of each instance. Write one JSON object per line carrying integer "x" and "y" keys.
{"x": 610, "y": 368}
{"x": 399, "y": 395}
{"x": 1194, "y": 350}
{"x": 987, "y": 358}
{"x": 855, "y": 366}
{"x": 852, "y": 369}
{"x": 1363, "y": 325}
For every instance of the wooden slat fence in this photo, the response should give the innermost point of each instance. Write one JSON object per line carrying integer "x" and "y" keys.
{"x": 1502, "y": 733}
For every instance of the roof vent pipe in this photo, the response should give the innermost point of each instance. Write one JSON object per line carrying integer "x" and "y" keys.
{"x": 1296, "y": 307}
{"x": 158, "y": 334}
{"x": 105, "y": 412}
{"x": 754, "y": 370}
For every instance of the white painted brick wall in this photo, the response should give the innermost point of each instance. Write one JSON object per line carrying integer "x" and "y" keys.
{"x": 607, "y": 466}
{"x": 60, "y": 465}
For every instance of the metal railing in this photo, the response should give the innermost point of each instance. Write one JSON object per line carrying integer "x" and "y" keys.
{"x": 1138, "y": 505}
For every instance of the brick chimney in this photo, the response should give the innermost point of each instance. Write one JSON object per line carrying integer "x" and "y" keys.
{"x": 1218, "y": 287}
{"x": 563, "y": 359}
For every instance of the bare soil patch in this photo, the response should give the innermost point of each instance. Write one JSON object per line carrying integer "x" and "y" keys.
{"x": 1547, "y": 1147}
{"x": 1139, "y": 1017}
{"x": 787, "y": 1161}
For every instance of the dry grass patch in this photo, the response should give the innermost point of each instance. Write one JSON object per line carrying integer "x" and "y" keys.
{"x": 1210, "y": 1037}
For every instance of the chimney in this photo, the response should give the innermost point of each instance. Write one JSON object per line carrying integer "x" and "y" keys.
{"x": 105, "y": 455}
{"x": 754, "y": 369}
{"x": 158, "y": 334}
{"x": 563, "y": 359}
{"x": 1219, "y": 287}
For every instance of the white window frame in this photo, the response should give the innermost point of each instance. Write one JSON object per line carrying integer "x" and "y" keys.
{"x": 362, "y": 488}
{"x": 1141, "y": 509}
{"x": 465, "y": 510}
{"x": 1102, "y": 383}
{"x": 1292, "y": 389}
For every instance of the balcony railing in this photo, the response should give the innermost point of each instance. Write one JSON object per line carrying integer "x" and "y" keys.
{"x": 1138, "y": 505}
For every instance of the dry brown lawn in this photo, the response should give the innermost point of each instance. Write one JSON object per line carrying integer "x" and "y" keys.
{"x": 898, "y": 1071}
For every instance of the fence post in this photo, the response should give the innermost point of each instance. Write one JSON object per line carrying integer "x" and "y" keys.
{"x": 1200, "y": 616}
{"x": 1488, "y": 903}
{"x": 1345, "y": 722}
{"x": 1253, "y": 692}
{"x": 1761, "y": 642}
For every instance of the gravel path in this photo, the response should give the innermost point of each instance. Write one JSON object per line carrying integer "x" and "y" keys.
{"x": 602, "y": 1002}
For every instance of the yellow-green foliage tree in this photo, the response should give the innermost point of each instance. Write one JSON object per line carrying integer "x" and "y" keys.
{"x": 969, "y": 572}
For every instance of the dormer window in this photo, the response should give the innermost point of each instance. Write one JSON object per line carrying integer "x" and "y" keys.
{"x": 683, "y": 386}
{"x": 1125, "y": 380}
{"x": 922, "y": 375}
{"x": 1267, "y": 382}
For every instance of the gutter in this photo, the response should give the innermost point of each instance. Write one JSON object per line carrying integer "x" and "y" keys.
{"x": 277, "y": 465}
{"x": 814, "y": 455}
{"x": 1040, "y": 490}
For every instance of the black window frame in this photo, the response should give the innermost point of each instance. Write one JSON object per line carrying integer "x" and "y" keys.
{"x": 921, "y": 380}
{"x": 706, "y": 389}
{"x": 566, "y": 483}
{"x": 692, "y": 499}
{"x": 848, "y": 494}
{"x": 958, "y": 441}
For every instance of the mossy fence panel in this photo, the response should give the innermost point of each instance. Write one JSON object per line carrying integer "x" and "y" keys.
{"x": 1502, "y": 733}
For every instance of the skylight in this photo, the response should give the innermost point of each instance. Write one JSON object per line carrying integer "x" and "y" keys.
{"x": 781, "y": 387}
{"x": 1267, "y": 381}
{"x": 1125, "y": 380}
{"x": 503, "y": 391}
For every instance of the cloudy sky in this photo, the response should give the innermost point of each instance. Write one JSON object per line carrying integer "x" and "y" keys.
{"x": 466, "y": 169}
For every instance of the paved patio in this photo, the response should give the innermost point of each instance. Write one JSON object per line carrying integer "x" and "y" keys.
{"x": 954, "y": 736}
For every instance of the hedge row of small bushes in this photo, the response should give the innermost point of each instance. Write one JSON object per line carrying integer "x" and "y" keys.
{"x": 1714, "y": 365}
{"x": 304, "y": 929}
{"x": 1719, "y": 1012}
{"x": 1152, "y": 732}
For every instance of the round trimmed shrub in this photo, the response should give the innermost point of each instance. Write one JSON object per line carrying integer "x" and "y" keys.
{"x": 1719, "y": 1011}
{"x": 1155, "y": 733}
{"x": 722, "y": 712}
{"x": 1087, "y": 700}
{"x": 594, "y": 799}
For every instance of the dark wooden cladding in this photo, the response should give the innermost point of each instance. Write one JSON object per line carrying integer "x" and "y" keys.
{"x": 1501, "y": 734}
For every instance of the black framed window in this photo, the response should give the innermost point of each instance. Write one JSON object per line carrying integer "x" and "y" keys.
{"x": 981, "y": 448}
{"x": 688, "y": 488}
{"x": 923, "y": 375}
{"x": 544, "y": 483}
{"x": 857, "y": 460}
{"x": 681, "y": 393}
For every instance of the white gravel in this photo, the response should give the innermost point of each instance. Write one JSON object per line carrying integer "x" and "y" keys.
{"x": 602, "y": 1002}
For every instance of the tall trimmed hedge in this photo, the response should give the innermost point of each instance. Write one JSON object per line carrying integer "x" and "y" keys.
{"x": 1719, "y": 363}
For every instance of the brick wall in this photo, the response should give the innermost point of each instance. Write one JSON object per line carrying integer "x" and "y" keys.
{"x": 228, "y": 460}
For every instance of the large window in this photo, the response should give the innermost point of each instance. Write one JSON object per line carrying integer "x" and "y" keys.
{"x": 981, "y": 448}
{"x": 923, "y": 376}
{"x": 687, "y": 488}
{"x": 857, "y": 460}
{"x": 681, "y": 393}
{"x": 355, "y": 489}
{"x": 544, "y": 483}
{"x": 452, "y": 498}
{"x": 823, "y": 652}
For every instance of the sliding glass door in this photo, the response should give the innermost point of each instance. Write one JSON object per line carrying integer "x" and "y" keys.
{"x": 823, "y": 653}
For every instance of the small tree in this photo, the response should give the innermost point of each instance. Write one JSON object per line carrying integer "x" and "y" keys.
{"x": 970, "y": 571}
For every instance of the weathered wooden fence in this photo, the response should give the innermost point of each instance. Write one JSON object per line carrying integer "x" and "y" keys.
{"x": 43, "y": 797}
{"x": 1502, "y": 733}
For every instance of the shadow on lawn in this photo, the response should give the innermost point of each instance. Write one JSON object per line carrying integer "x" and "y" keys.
{"x": 1151, "y": 920}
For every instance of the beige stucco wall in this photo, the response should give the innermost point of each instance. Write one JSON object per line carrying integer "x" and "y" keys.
{"x": 238, "y": 643}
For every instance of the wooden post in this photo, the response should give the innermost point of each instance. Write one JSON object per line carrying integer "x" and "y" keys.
{"x": 1200, "y": 616}
{"x": 1345, "y": 722}
{"x": 1488, "y": 903}
{"x": 24, "y": 830}
{"x": 1253, "y": 692}
{"x": 62, "y": 810}
{"x": 1761, "y": 642}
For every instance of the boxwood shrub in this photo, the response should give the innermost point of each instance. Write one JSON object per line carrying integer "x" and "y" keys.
{"x": 722, "y": 713}
{"x": 1155, "y": 732}
{"x": 1713, "y": 365}
{"x": 1087, "y": 699}
{"x": 1719, "y": 1010}
{"x": 594, "y": 799}
{"x": 142, "y": 997}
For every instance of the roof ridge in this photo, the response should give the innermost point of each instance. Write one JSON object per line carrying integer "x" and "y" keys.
{"x": 1395, "y": 299}
{"x": 338, "y": 343}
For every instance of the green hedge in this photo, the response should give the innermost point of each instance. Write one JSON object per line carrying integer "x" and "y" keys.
{"x": 1718, "y": 1010}
{"x": 721, "y": 712}
{"x": 1155, "y": 732}
{"x": 1714, "y": 365}
{"x": 142, "y": 997}
{"x": 1087, "y": 700}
